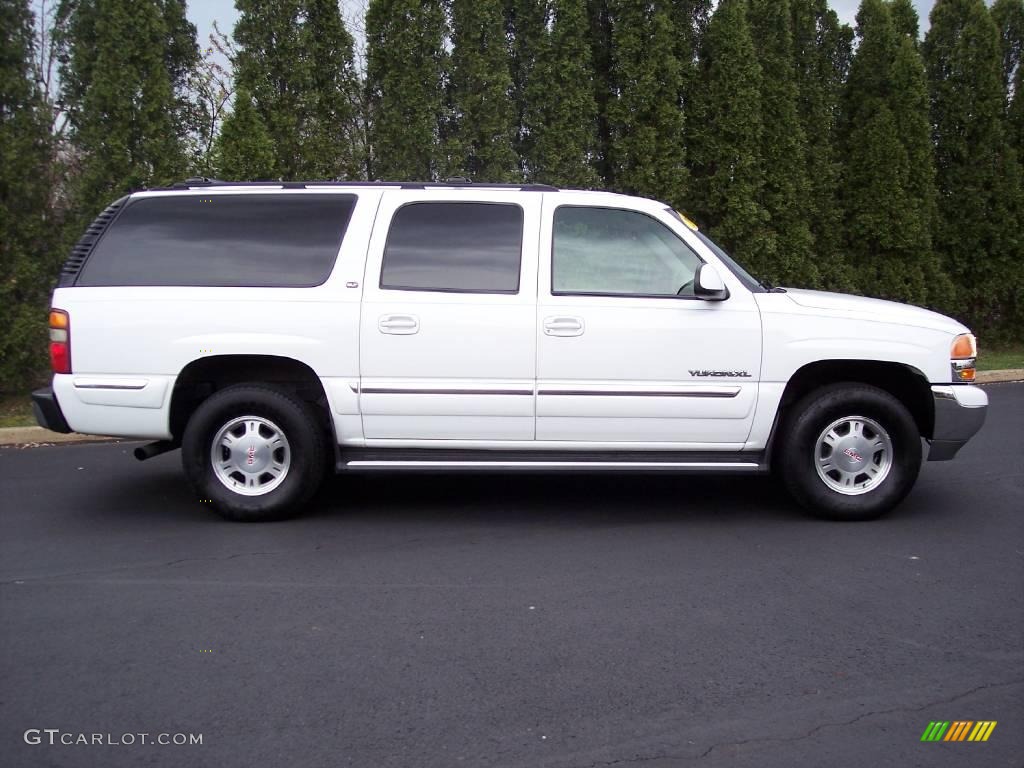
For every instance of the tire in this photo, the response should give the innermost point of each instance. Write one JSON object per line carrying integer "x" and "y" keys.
{"x": 839, "y": 471}
{"x": 278, "y": 462}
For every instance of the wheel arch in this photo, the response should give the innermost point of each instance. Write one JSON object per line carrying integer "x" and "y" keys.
{"x": 904, "y": 382}
{"x": 204, "y": 376}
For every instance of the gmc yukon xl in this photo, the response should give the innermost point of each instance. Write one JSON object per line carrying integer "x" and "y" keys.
{"x": 275, "y": 332}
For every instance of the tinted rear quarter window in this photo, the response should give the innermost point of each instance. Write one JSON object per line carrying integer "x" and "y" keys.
{"x": 222, "y": 240}
{"x": 454, "y": 247}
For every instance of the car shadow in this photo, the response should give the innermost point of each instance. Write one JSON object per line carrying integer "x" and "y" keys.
{"x": 159, "y": 491}
{"x": 555, "y": 499}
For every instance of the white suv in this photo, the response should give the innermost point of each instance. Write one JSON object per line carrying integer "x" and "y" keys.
{"x": 276, "y": 331}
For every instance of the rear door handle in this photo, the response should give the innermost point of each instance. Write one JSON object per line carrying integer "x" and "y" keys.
{"x": 563, "y": 326}
{"x": 399, "y": 325}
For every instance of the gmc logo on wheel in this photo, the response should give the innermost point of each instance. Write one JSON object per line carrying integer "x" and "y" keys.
{"x": 252, "y": 455}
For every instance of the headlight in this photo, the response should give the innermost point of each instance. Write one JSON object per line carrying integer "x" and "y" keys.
{"x": 963, "y": 355}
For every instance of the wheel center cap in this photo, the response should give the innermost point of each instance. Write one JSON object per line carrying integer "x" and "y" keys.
{"x": 252, "y": 456}
{"x": 854, "y": 456}
{"x": 851, "y": 454}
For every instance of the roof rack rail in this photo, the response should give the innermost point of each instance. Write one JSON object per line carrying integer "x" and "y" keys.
{"x": 456, "y": 181}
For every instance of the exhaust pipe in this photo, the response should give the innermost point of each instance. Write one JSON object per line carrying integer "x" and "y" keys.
{"x": 144, "y": 452}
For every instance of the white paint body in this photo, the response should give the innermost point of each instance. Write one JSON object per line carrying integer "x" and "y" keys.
{"x": 400, "y": 368}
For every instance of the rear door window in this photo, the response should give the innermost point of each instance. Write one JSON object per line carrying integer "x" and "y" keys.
{"x": 258, "y": 240}
{"x": 454, "y": 247}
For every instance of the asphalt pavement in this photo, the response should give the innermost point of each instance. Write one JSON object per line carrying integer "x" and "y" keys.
{"x": 523, "y": 622}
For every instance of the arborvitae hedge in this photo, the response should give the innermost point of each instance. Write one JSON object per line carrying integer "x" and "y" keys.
{"x": 295, "y": 59}
{"x": 726, "y": 136}
{"x": 887, "y": 188}
{"x": 978, "y": 231}
{"x": 123, "y": 67}
{"x": 405, "y": 71}
{"x": 28, "y": 263}
{"x": 893, "y": 168}
{"x": 783, "y": 152}
{"x": 244, "y": 148}
{"x": 560, "y": 123}
{"x": 481, "y": 126}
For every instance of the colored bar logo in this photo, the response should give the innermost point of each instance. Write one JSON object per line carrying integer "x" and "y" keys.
{"x": 958, "y": 730}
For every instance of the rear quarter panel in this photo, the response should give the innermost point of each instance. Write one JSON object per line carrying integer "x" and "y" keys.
{"x": 121, "y": 336}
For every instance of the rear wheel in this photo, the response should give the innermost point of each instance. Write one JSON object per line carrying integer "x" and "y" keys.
{"x": 849, "y": 452}
{"x": 255, "y": 452}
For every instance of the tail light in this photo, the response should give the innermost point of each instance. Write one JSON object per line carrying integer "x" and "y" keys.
{"x": 60, "y": 341}
{"x": 963, "y": 355}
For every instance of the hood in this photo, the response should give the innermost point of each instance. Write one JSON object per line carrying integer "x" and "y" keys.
{"x": 878, "y": 310}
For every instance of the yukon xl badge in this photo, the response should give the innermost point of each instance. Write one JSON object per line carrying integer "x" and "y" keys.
{"x": 727, "y": 374}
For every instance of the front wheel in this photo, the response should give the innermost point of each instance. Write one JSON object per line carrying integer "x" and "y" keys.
{"x": 849, "y": 452}
{"x": 254, "y": 452}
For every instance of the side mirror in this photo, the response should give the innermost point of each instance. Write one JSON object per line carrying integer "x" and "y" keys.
{"x": 708, "y": 284}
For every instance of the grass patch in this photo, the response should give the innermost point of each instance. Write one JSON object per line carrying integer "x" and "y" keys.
{"x": 1001, "y": 358}
{"x": 16, "y": 411}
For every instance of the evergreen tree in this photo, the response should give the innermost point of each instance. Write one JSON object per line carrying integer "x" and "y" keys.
{"x": 689, "y": 21}
{"x": 647, "y": 151}
{"x": 405, "y": 71}
{"x": 1015, "y": 123}
{"x": 1009, "y": 18}
{"x": 725, "y": 139}
{"x": 561, "y": 114}
{"x": 482, "y": 124}
{"x": 909, "y": 100}
{"x": 331, "y": 146}
{"x": 295, "y": 58}
{"x": 600, "y": 29}
{"x": 122, "y": 70}
{"x": 785, "y": 194}
{"x": 244, "y": 150}
{"x": 28, "y": 264}
{"x": 888, "y": 185}
{"x": 526, "y": 29}
{"x": 183, "y": 62}
{"x": 979, "y": 227}
{"x": 1009, "y": 15}
{"x": 904, "y": 18}
{"x": 822, "y": 48}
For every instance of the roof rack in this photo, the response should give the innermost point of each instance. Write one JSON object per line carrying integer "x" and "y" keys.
{"x": 453, "y": 183}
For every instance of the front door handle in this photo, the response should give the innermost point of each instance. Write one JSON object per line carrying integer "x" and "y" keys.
{"x": 399, "y": 325}
{"x": 563, "y": 326}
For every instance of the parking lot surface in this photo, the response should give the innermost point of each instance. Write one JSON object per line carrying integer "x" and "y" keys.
{"x": 528, "y": 622}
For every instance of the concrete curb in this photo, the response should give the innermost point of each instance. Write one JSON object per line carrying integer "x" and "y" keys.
{"x": 994, "y": 377}
{"x": 31, "y": 437}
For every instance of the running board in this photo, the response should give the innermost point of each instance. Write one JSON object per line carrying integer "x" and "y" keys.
{"x": 447, "y": 460}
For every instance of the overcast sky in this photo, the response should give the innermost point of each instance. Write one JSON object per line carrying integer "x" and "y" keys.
{"x": 204, "y": 12}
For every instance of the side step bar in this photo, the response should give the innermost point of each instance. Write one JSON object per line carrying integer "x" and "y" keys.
{"x": 547, "y": 461}
{"x": 571, "y": 466}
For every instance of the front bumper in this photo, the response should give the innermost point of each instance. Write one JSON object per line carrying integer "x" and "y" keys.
{"x": 47, "y": 411}
{"x": 959, "y": 413}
